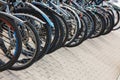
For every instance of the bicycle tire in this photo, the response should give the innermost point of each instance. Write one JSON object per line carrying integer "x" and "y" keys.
{"x": 11, "y": 22}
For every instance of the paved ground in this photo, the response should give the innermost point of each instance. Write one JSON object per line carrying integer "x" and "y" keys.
{"x": 96, "y": 59}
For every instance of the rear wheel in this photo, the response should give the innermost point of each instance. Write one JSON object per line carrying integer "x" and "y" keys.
{"x": 58, "y": 31}
{"x": 30, "y": 47}
{"x": 10, "y": 42}
{"x": 45, "y": 31}
{"x": 110, "y": 23}
{"x": 100, "y": 25}
{"x": 73, "y": 23}
{"x": 81, "y": 35}
{"x": 88, "y": 16}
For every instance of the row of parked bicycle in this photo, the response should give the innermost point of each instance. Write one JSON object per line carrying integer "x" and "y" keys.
{"x": 30, "y": 29}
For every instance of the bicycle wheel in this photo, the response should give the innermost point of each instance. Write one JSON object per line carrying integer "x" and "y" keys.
{"x": 90, "y": 24}
{"x": 10, "y": 42}
{"x": 100, "y": 25}
{"x": 81, "y": 35}
{"x": 58, "y": 30}
{"x": 62, "y": 34}
{"x": 110, "y": 24}
{"x": 116, "y": 18}
{"x": 109, "y": 19}
{"x": 116, "y": 26}
{"x": 30, "y": 47}
{"x": 115, "y": 14}
{"x": 65, "y": 26}
{"x": 45, "y": 31}
{"x": 74, "y": 24}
